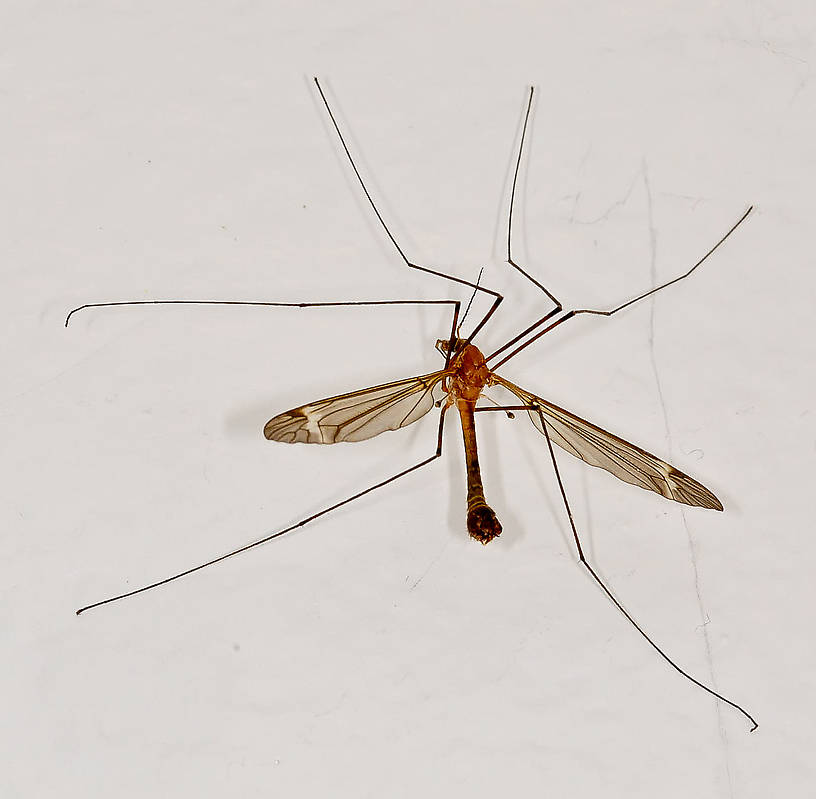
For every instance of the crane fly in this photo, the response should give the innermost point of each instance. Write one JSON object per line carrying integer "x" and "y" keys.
{"x": 460, "y": 383}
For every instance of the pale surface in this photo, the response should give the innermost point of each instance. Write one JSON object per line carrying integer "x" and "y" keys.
{"x": 181, "y": 152}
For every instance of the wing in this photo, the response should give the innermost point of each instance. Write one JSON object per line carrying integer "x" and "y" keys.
{"x": 600, "y": 448}
{"x": 358, "y": 415}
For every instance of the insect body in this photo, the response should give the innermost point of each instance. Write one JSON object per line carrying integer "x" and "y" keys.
{"x": 470, "y": 376}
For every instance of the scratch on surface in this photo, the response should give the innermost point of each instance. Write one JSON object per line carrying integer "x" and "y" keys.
{"x": 8, "y": 400}
{"x": 613, "y": 207}
{"x": 799, "y": 88}
{"x": 692, "y": 550}
{"x": 695, "y": 201}
{"x": 430, "y": 566}
{"x": 333, "y": 707}
{"x": 766, "y": 45}
{"x": 576, "y": 198}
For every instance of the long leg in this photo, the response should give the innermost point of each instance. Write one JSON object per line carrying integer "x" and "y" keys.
{"x": 455, "y": 303}
{"x": 323, "y": 512}
{"x": 511, "y": 209}
{"x": 260, "y": 304}
{"x": 497, "y": 297}
{"x": 669, "y": 282}
{"x": 571, "y": 314}
{"x": 289, "y": 529}
{"x": 558, "y": 307}
{"x": 351, "y": 303}
{"x": 620, "y": 607}
{"x": 510, "y": 260}
{"x": 508, "y": 409}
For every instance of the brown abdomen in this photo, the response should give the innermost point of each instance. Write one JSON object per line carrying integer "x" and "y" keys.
{"x": 482, "y": 523}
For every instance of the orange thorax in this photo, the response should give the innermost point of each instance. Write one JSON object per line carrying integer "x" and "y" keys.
{"x": 471, "y": 374}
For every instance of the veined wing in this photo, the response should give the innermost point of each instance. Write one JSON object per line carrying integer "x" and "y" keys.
{"x": 599, "y": 447}
{"x": 357, "y": 415}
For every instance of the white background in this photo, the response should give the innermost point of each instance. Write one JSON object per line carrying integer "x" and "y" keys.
{"x": 180, "y": 151}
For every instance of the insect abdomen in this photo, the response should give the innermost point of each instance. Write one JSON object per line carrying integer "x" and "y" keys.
{"x": 482, "y": 523}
